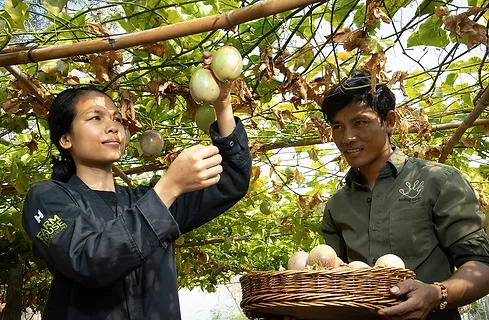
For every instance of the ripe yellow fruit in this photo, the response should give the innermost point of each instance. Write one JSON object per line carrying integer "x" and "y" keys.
{"x": 203, "y": 87}
{"x": 323, "y": 256}
{"x": 227, "y": 63}
{"x": 390, "y": 260}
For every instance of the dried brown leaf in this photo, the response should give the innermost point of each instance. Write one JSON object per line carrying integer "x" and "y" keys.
{"x": 315, "y": 201}
{"x": 322, "y": 128}
{"x": 461, "y": 24}
{"x": 374, "y": 12}
{"x": 399, "y": 76}
{"x": 441, "y": 11}
{"x": 279, "y": 117}
{"x": 11, "y": 106}
{"x": 157, "y": 49}
{"x": 99, "y": 29}
{"x": 103, "y": 64}
{"x": 255, "y": 174}
{"x": 469, "y": 142}
{"x": 376, "y": 67}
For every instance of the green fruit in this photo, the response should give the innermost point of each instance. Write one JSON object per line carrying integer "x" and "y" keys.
{"x": 151, "y": 142}
{"x": 227, "y": 63}
{"x": 204, "y": 117}
{"x": 289, "y": 172}
{"x": 180, "y": 240}
{"x": 266, "y": 207}
{"x": 203, "y": 87}
{"x": 46, "y": 77}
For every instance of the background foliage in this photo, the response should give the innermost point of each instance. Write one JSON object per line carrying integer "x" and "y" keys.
{"x": 432, "y": 53}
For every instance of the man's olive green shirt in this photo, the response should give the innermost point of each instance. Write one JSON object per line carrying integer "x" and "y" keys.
{"x": 425, "y": 212}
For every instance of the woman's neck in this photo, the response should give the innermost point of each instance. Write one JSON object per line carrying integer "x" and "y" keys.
{"x": 97, "y": 178}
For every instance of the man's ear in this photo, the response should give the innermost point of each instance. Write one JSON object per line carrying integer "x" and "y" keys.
{"x": 390, "y": 121}
{"x": 65, "y": 141}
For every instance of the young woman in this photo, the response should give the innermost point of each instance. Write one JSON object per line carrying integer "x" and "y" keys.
{"x": 111, "y": 248}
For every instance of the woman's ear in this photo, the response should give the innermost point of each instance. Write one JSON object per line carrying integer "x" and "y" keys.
{"x": 390, "y": 121}
{"x": 65, "y": 141}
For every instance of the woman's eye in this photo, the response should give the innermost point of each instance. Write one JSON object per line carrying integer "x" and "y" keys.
{"x": 118, "y": 120}
{"x": 95, "y": 118}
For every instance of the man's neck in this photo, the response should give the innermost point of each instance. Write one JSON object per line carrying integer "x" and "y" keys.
{"x": 371, "y": 173}
{"x": 96, "y": 178}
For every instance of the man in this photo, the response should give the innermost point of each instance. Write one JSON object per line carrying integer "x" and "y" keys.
{"x": 424, "y": 212}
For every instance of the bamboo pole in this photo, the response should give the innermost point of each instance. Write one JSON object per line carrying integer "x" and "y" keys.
{"x": 465, "y": 124}
{"x": 25, "y": 80}
{"x": 219, "y": 21}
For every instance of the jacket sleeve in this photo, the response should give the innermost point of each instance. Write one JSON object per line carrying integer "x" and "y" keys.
{"x": 459, "y": 220}
{"x": 332, "y": 235}
{"x": 73, "y": 239}
{"x": 193, "y": 209}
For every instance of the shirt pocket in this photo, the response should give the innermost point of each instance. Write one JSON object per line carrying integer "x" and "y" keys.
{"x": 411, "y": 232}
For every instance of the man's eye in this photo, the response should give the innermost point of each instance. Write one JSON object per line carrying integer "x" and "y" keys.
{"x": 95, "y": 118}
{"x": 336, "y": 127}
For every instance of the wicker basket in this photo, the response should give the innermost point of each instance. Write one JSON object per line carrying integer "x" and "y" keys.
{"x": 327, "y": 294}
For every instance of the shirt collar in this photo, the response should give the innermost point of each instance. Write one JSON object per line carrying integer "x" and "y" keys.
{"x": 393, "y": 167}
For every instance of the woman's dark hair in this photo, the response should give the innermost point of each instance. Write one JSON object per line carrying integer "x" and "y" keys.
{"x": 60, "y": 119}
{"x": 356, "y": 89}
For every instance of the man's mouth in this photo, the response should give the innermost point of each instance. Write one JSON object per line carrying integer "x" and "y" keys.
{"x": 352, "y": 150}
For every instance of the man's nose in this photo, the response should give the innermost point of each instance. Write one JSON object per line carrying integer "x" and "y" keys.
{"x": 349, "y": 136}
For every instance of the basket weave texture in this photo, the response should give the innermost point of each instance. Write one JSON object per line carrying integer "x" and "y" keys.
{"x": 344, "y": 293}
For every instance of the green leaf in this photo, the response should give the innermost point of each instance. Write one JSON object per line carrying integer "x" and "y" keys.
{"x": 450, "y": 79}
{"x": 18, "y": 13}
{"x": 379, "y": 45}
{"x": 341, "y": 10}
{"x": 428, "y": 6}
{"x": 22, "y": 182}
{"x": 54, "y": 6}
{"x": 392, "y": 6}
{"x": 430, "y": 33}
{"x": 359, "y": 17}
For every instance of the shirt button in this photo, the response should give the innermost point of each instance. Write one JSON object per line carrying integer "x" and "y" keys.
{"x": 375, "y": 228}
{"x": 231, "y": 143}
{"x": 369, "y": 200}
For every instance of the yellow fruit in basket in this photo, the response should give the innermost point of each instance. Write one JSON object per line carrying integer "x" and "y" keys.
{"x": 338, "y": 263}
{"x": 358, "y": 264}
{"x": 298, "y": 261}
{"x": 390, "y": 260}
{"x": 323, "y": 256}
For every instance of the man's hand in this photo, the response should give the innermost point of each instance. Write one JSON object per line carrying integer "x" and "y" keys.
{"x": 421, "y": 298}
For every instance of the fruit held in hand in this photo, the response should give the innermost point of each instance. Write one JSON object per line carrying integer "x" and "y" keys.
{"x": 151, "y": 142}
{"x": 358, "y": 265}
{"x": 204, "y": 117}
{"x": 298, "y": 261}
{"x": 322, "y": 256}
{"x": 390, "y": 260}
{"x": 227, "y": 63}
{"x": 203, "y": 87}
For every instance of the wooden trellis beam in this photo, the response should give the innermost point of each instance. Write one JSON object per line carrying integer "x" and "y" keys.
{"x": 464, "y": 125}
{"x": 225, "y": 20}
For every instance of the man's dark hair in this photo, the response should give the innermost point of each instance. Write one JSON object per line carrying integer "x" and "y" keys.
{"x": 356, "y": 89}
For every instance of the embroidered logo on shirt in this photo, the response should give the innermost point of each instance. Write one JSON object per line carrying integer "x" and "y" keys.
{"x": 412, "y": 192}
{"x": 50, "y": 228}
